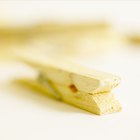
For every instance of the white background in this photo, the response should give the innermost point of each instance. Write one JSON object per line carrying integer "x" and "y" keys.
{"x": 25, "y": 115}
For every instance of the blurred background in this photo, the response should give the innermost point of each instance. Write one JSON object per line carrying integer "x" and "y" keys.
{"x": 103, "y": 35}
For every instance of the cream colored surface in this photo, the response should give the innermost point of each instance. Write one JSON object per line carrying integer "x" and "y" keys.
{"x": 27, "y": 115}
